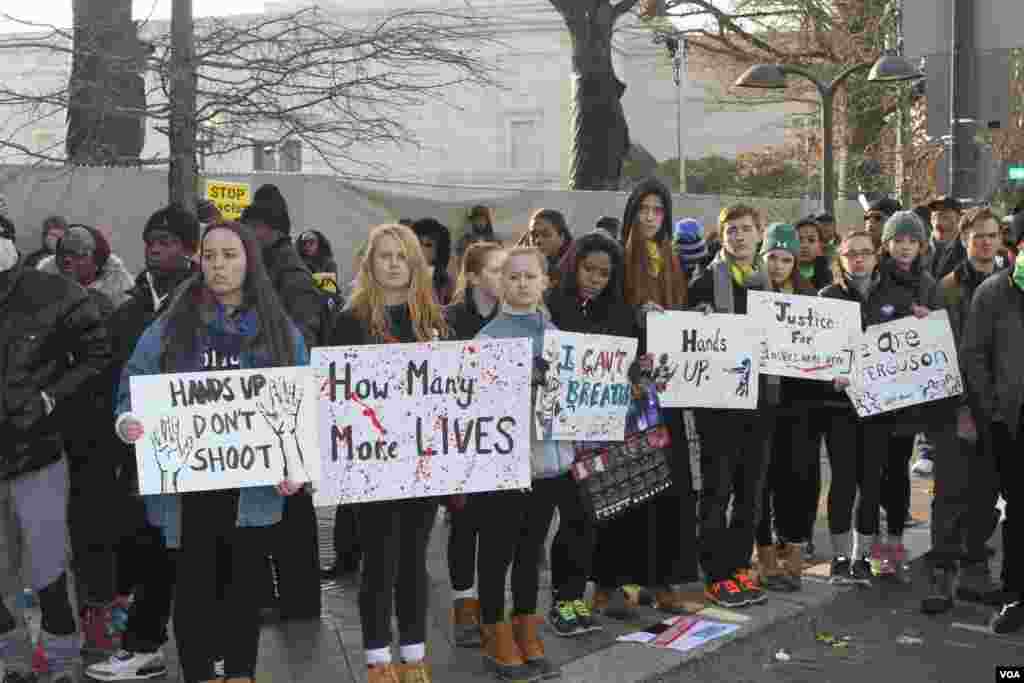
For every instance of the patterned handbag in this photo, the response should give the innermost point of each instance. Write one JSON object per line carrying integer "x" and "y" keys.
{"x": 614, "y": 476}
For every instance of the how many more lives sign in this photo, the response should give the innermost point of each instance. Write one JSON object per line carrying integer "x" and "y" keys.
{"x": 225, "y": 429}
{"x": 428, "y": 419}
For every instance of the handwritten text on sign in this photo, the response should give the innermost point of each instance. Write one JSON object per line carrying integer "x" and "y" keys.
{"x": 704, "y": 361}
{"x": 903, "y": 363}
{"x": 587, "y": 385}
{"x": 416, "y": 420}
{"x": 805, "y": 336}
{"x": 225, "y": 429}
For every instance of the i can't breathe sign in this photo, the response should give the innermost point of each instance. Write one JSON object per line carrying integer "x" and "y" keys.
{"x": 225, "y": 429}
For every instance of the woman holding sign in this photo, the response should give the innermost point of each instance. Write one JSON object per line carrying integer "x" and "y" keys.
{"x": 393, "y": 303}
{"x": 792, "y": 460}
{"x": 225, "y": 318}
{"x": 654, "y": 544}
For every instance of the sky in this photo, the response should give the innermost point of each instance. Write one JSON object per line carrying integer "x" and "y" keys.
{"x": 58, "y": 12}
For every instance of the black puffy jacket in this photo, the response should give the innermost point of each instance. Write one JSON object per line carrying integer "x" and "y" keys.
{"x": 296, "y": 289}
{"x": 52, "y": 340}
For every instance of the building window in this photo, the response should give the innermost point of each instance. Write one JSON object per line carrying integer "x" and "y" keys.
{"x": 291, "y": 156}
{"x": 264, "y": 156}
{"x": 525, "y": 149}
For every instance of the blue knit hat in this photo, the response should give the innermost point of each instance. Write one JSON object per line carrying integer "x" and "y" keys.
{"x": 689, "y": 239}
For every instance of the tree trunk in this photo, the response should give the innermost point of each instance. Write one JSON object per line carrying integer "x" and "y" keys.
{"x": 107, "y": 94}
{"x": 181, "y": 180}
{"x": 600, "y": 135}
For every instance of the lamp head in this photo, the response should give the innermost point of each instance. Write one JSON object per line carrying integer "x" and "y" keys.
{"x": 762, "y": 76}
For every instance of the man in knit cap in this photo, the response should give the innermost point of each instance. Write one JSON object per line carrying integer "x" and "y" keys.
{"x": 877, "y": 214}
{"x": 83, "y": 254}
{"x": 296, "y": 544}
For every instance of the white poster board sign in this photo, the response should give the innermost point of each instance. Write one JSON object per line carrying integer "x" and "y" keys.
{"x": 417, "y": 420}
{"x": 587, "y": 389}
{"x": 704, "y": 360}
{"x": 903, "y": 363}
{"x": 808, "y": 337}
{"x": 225, "y": 429}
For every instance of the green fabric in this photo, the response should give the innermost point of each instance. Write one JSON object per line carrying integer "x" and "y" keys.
{"x": 1018, "y": 273}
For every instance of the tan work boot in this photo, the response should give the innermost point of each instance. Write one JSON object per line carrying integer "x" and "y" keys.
{"x": 792, "y": 565}
{"x": 466, "y": 622}
{"x": 416, "y": 672}
{"x": 525, "y": 629}
{"x": 502, "y": 655}
{"x": 772, "y": 576}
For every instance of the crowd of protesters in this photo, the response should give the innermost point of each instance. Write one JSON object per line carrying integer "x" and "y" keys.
{"x": 218, "y": 294}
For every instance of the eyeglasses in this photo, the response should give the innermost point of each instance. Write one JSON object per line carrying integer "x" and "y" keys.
{"x": 854, "y": 255}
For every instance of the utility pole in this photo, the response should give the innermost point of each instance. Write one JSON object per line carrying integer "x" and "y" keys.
{"x": 961, "y": 41}
{"x": 678, "y": 50}
{"x": 182, "y": 177}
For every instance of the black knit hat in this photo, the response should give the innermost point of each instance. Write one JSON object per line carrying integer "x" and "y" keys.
{"x": 1016, "y": 230}
{"x": 176, "y": 221}
{"x": 268, "y": 207}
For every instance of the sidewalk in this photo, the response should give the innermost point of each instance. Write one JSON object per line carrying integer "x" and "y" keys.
{"x": 596, "y": 656}
{"x": 331, "y": 649}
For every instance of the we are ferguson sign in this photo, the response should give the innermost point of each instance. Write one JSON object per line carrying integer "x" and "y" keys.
{"x": 225, "y": 429}
{"x": 903, "y": 363}
{"x": 416, "y": 420}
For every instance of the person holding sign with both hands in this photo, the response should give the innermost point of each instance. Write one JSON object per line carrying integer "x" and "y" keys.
{"x": 393, "y": 303}
{"x": 226, "y": 317}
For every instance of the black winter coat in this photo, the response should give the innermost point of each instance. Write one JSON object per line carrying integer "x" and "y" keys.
{"x": 464, "y": 317}
{"x": 296, "y": 289}
{"x": 52, "y": 340}
{"x": 617, "y": 318}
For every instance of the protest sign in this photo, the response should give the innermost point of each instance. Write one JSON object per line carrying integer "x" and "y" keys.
{"x": 587, "y": 390}
{"x": 681, "y": 633}
{"x": 704, "y": 360}
{"x": 225, "y": 429}
{"x": 805, "y": 336}
{"x": 430, "y": 419}
{"x": 903, "y": 363}
{"x": 230, "y": 198}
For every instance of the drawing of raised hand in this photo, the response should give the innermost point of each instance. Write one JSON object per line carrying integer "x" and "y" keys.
{"x": 282, "y": 415}
{"x": 171, "y": 452}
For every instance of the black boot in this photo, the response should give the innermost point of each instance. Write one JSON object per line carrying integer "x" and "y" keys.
{"x": 940, "y": 592}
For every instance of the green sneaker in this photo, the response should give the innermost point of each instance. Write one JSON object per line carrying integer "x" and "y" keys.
{"x": 585, "y": 617}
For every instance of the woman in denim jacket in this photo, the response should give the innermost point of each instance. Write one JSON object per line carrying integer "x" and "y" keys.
{"x": 227, "y": 317}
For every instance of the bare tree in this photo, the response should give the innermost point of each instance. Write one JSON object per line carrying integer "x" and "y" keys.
{"x": 301, "y": 75}
{"x": 600, "y": 134}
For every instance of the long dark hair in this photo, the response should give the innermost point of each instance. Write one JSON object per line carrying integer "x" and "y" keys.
{"x": 588, "y": 244}
{"x": 184, "y": 319}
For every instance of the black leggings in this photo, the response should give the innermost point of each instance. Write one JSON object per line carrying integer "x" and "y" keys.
{"x": 395, "y": 534}
{"x": 572, "y": 550}
{"x": 790, "y": 479}
{"x": 207, "y": 625}
{"x": 462, "y": 535}
{"x": 856, "y": 469}
{"x": 58, "y": 616}
{"x": 513, "y": 528}
{"x": 895, "y": 490}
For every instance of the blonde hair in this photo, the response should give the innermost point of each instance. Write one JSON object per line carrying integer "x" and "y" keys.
{"x": 536, "y": 253}
{"x": 474, "y": 261}
{"x": 367, "y": 301}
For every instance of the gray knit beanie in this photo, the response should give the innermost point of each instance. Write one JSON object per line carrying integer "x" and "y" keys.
{"x": 904, "y": 223}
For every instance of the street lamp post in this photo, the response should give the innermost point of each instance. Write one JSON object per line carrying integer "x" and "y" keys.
{"x": 887, "y": 69}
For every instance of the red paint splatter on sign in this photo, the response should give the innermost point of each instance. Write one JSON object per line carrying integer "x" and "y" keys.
{"x": 370, "y": 413}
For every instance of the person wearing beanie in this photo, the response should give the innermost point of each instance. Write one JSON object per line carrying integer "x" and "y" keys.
{"x": 904, "y": 288}
{"x": 876, "y": 214}
{"x": 790, "y": 480}
{"x": 54, "y": 228}
{"x": 83, "y": 254}
{"x": 145, "y": 566}
{"x": 47, "y": 319}
{"x": 296, "y": 552}
{"x": 690, "y": 245}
